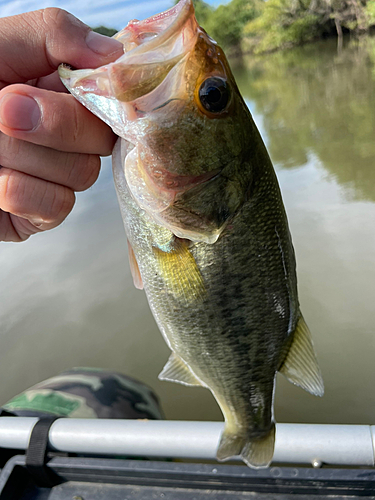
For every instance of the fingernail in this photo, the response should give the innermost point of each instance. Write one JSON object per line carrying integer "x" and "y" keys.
{"x": 37, "y": 222}
{"x": 19, "y": 111}
{"x": 102, "y": 45}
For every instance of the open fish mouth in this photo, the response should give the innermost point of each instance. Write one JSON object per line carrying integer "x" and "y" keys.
{"x": 152, "y": 48}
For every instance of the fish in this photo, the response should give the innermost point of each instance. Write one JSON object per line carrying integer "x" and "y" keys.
{"x": 207, "y": 230}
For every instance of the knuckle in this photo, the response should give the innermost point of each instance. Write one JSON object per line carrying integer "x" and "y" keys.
{"x": 88, "y": 174}
{"x": 59, "y": 20}
{"x": 55, "y": 17}
{"x": 9, "y": 150}
{"x": 56, "y": 203}
{"x": 77, "y": 125}
{"x": 110, "y": 143}
{"x": 59, "y": 27}
{"x": 63, "y": 124}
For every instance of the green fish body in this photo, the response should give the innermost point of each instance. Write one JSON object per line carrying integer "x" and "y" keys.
{"x": 208, "y": 234}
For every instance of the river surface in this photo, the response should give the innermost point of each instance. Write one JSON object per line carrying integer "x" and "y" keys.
{"x": 67, "y": 297}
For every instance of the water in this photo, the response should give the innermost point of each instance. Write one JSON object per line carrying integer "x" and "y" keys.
{"x": 68, "y": 298}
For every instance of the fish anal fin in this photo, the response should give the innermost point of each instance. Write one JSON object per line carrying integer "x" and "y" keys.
{"x": 180, "y": 272}
{"x": 255, "y": 452}
{"x": 177, "y": 370}
{"x": 134, "y": 269}
{"x": 300, "y": 365}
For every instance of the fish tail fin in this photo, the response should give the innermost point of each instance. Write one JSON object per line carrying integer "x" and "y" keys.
{"x": 258, "y": 453}
{"x": 230, "y": 444}
{"x": 255, "y": 452}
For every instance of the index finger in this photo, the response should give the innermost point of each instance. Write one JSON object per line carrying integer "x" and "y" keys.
{"x": 32, "y": 45}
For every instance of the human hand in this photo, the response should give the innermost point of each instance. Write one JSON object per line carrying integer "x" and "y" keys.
{"x": 49, "y": 143}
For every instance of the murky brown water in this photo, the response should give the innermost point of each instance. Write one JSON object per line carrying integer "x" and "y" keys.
{"x": 67, "y": 298}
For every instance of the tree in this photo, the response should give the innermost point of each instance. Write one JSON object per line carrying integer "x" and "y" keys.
{"x": 227, "y": 22}
{"x": 289, "y": 22}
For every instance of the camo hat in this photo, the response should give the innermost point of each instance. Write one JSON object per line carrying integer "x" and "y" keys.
{"x": 87, "y": 393}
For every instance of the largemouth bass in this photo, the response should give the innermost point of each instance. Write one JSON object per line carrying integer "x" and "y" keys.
{"x": 207, "y": 230}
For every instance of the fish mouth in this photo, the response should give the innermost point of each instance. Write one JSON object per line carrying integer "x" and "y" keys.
{"x": 151, "y": 33}
{"x": 152, "y": 47}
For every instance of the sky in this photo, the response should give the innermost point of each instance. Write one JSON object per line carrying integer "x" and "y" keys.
{"x": 110, "y": 13}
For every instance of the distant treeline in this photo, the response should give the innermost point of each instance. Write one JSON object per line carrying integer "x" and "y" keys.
{"x": 260, "y": 26}
{"x": 266, "y": 25}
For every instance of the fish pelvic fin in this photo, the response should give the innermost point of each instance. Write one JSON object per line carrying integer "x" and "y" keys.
{"x": 255, "y": 452}
{"x": 134, "y": 269}
{"x": 300, "y": 366}
{"x": 176, "y": 370}
{"x": 180, "y": 272}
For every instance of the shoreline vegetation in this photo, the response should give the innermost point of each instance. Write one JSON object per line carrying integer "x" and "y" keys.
{"x": 258, "y": 26}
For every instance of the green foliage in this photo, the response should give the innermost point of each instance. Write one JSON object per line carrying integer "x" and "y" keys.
{"x": 292, "y": 22}
{"x": 370, "y": 12}
{"x": 282, "y": 24}
{"x": 105, "y": 31}
{"x": 227, "y": 22}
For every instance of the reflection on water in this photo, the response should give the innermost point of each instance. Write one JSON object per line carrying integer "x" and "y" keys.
{"x": 68, "y": 299}
{"x": 314, "y": 101}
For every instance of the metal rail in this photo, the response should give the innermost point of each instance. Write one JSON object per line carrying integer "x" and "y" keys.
{"x": 295, "y": 443}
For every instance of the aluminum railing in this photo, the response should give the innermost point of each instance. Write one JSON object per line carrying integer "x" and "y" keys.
{"x": 295, "y": 443}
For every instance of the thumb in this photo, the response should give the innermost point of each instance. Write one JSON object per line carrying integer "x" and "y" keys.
{"x": 32, "y": 45}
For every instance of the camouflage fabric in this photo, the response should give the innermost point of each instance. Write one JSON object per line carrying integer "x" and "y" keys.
{"x": 87, "y": 393}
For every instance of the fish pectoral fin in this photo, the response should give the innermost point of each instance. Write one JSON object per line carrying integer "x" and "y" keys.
{"x": 134, "y": 269}
{"x": 180, "y": 272}
{"x": 178, "y": 371}
{"x": 300, "y": 365}
{"x": 255, "y": 452}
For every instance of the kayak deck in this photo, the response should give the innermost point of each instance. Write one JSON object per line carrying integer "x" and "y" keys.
{"x": 115, "y": 479}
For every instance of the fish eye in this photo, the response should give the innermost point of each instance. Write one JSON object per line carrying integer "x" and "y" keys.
{"x": 214, "y": 94}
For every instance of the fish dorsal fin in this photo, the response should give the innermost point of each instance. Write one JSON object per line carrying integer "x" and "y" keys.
{"x": 134, "y": 269}
{"x": 177, "y": 370}
{"x": 300, "y": 365}
{"x": 180, "y": 272}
